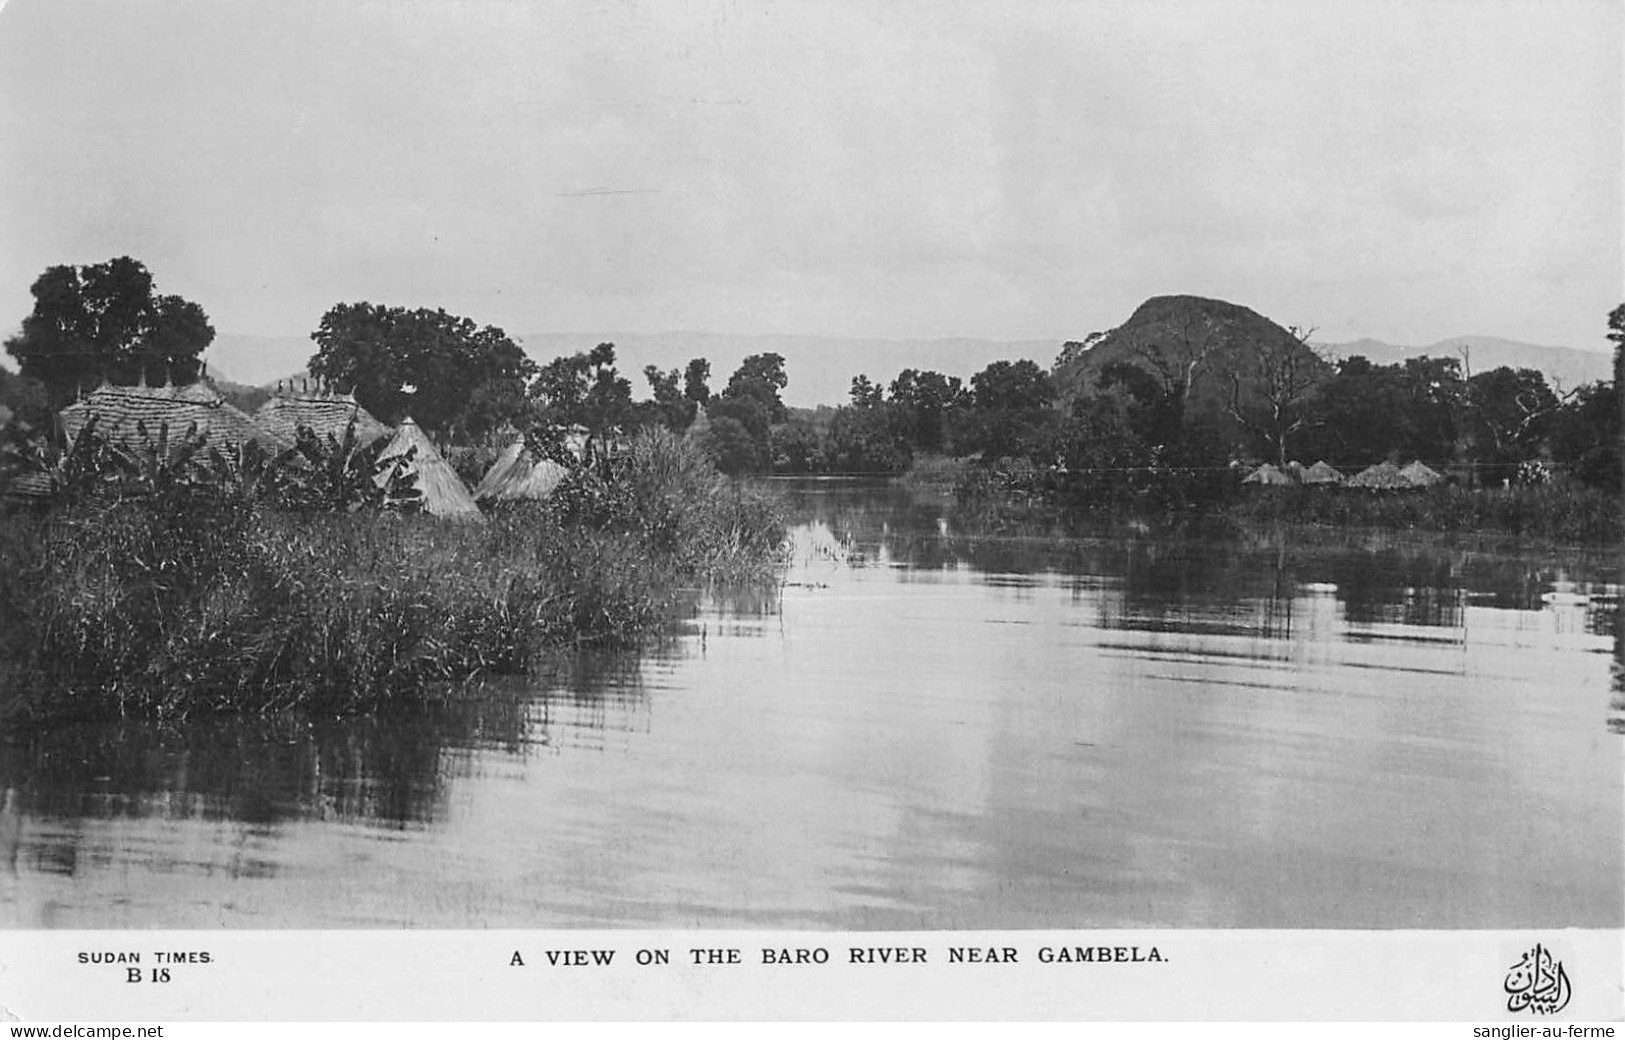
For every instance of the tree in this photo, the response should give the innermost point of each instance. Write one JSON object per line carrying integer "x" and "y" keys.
{"x": 731, "y": 447}
{"x": 1275, "y": 403}
{"x": 1361, "y": 409}
{"x": 695, "y": 377}
{"x": 926, "y": 400}
{"x": 759, "y": 378}
{"x": 865, "y": 394}
{"x": 797, "y": 447}
{"x": 584, "y": 389}
{"x": 1430, "y": 417}
{"x": 456, "y": 379}
{"x": 670, "y": 408}
{"x": 1511, "y": 410}
{"x": 1195, "y": 337}
{"x": 1011, "y": 386}
{"x": 1585, "y": 436}
{"x": 1010, "y": 414}
{"x": 104, "y": 321}
{"x": 25, "y": 400}
{"x": 868, "y": 439}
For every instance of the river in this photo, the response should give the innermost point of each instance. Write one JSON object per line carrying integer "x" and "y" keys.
{"x": 929, "y": 725}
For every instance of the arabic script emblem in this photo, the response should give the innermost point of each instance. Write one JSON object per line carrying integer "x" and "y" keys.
{"x": 1537, "y": 983}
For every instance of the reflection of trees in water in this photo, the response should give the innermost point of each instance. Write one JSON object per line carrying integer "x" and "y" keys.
{"x": 256, "y": 770}
{"x": 390, "y": 770}
{"x": 579, "y": 698}
{"x": 1247, "y": 581}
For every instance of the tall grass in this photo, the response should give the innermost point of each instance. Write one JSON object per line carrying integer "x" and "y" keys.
{"x": 170, "y": 606}
{"x": 1558, "y": 511}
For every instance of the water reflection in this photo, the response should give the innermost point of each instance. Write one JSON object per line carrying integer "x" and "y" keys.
{"x": 926, "y": 724}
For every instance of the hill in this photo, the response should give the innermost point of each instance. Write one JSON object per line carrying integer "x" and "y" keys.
{"x": 1196, "y": 347}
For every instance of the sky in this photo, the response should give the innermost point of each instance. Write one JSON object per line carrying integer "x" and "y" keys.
{"x": 1407, "y": 171}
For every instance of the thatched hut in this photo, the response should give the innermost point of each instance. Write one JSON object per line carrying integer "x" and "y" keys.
{"x": 518, "y": 476}
{"x": 1384, "y": 476}
{"x": 1420, "y": 475}
{"x": 276, "y": 424}
{"x": 32, "y": 487}
{"x": 443, "y": 491}
{"x": 122, "y": 412}
{"x": 1322, "y": 473}
{"x": 1268, "y": 475}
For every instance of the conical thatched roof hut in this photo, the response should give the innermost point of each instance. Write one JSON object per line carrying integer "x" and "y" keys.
{"x": 1268, "y": 474}
{"x": 1322, "y": 473}
{"x": 121, "y": 412}
{"x": 1420, "y": 475}
{"x": 276, "y": 424}
{"x": 1382, "y": 476}
{"x": 443, "y": 491}
{"x": 518, "y": 476}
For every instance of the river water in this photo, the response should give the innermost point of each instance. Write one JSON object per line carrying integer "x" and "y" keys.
{"x": 930, "y": 724}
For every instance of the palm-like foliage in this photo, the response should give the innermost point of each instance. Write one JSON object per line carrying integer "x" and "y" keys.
{"x": 342, "y": 475}
{"x": 317, "y": 474}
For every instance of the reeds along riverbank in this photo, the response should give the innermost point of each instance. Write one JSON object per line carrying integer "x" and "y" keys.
{"x": 169, "y": 606}
{"x": 1561, "y": 510}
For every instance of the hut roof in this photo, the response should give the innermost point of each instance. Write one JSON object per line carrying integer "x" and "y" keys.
{"x": 121, "y": 411}
{"x": 27, "y": 487}
{"x": 516, "y": 475}
{"x": 277, "y": 422}
{"x": 1420, "y": 475}
{"x": 1268, "y": 474}
{"x": 1382, "y": 475}
{"x": 1322, "y": 473}
{"x": 443, "y": 491}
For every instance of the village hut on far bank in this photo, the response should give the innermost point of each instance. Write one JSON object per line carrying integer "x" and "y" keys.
{"x": 517, "y": 476}
{"x": 1420, "y": 475}
{"x": 442, "y": 490}
{"x": 1268, "y": 475}
{"x": 1384, "y": 476}
{"x": 123, "y": 412}
{"x": 1322, "y": 473}
{"x": 276, "y": 424}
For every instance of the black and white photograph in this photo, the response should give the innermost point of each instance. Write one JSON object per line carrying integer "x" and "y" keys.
{"x": 1071, "y": 481}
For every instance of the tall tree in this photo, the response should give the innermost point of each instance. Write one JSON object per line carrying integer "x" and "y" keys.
{"x": 695, "y": 379}
{"x": 105, "y": 321}
{"x": 585, "y": 389}
{"x": 1274, "y": 403}
{"x": 670, "y": 408}
{"x": 1011, "y": 386}
{"x": 1511, "y": 411}
{"x": 455, "y": 378}
{"x": 864, "y": 393}
{"x": 759, "y": 378}
{"x": 926, "y": 399}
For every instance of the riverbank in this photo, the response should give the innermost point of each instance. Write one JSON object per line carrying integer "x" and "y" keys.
{"x": 167, "y": 606}
{"x": 1558, "y": 511}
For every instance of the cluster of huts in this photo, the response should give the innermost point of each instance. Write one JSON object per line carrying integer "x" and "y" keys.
{"x": 1384, "y": 476}
{"x": 128, "y": 414}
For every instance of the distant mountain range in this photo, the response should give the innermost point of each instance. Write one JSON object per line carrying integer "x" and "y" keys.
{"x": 820, "y": 368}
{"x": 1566, "y": 366}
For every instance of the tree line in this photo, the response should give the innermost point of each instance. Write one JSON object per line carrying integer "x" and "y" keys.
{"x": 1195, "y": 401}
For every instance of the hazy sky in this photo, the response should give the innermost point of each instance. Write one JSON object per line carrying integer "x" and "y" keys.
{"x": 1408, "y": 170}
